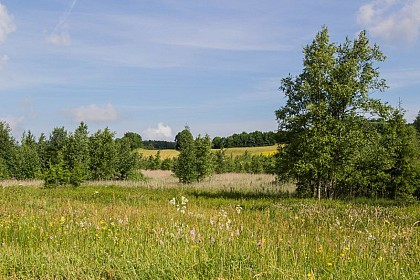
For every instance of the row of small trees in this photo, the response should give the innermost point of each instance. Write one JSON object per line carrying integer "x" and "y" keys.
{"x": 66, "y": 157}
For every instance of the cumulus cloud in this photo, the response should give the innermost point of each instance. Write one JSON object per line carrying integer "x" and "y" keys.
{"x": 161, "y": 132}
{"x": 391, "y": 20}
{"x": 59, "y": 39}
{"x": 95, "y": 113}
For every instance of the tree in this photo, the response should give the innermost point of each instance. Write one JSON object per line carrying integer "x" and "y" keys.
{"x": 103, "y": 155}
{"x": 76, "y": 155}
{"x": 133, "y": 139}
{"x": 27, "y": 160}
{"x": 326, "y": 113}
{"x": 185, "y": 168}
{"x": 7, "y": 151}
{"x": 416, "y": 123}
{"x": 126, "y": 161}
{"x": 203, "y": 157}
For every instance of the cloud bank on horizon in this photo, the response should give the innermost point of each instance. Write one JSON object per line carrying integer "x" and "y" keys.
{"x": 153, "y": 68}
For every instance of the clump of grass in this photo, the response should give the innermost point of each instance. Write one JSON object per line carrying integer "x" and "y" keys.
{"x": 158, "y": 231}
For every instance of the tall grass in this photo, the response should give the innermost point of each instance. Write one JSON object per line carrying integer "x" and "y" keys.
{"x": 230, "y": 228}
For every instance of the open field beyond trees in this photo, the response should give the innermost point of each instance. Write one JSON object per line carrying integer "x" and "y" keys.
{"x": 229, "y": 152}
{"x": 231, "y": 226}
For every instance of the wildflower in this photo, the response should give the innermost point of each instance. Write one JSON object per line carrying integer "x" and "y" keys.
{"x": 172, "y": 201}
{"x": 238, "y": 209}
{"x": 184, "y": 200}
{"x": 62, "y": 220}
{"x": 329, "y": 264}
{"x": 259, "y": 243}
{"x": 96, "y": 192}
{"x": 319, "y": 249}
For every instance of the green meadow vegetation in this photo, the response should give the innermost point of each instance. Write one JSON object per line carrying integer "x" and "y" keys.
{"x": 237, "y": 226}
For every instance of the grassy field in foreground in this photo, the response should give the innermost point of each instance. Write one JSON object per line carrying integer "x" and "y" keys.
{"x": 267, "y": 150}
{"x": 230, "y": 227}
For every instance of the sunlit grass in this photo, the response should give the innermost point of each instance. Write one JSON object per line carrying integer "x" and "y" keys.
{"x": 232, "y": 227}
{"x": 230, "y": 152}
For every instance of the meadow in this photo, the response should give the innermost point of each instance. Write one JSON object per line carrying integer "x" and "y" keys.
{"x": 229, "y": 152}
{"x": 231, "y": 226}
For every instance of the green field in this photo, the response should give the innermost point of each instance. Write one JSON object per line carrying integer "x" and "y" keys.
{"x": 267, "y": 150}
{"x": 233, "y": 226}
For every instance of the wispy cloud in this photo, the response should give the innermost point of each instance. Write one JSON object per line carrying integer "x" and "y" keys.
{"x": 95, "y": 113}
{"x": 60, "y": 35}
{"x": 59, "y": 39}
{"x": 391, "y": 20}
{"x": 7, "y": 26}
{"x": 161, "y": 132}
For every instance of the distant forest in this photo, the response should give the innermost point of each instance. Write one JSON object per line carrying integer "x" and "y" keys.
{"x": 244, "y": 139}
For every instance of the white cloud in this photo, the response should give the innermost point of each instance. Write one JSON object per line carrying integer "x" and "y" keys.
{"x": 59, "y": 39}
{"x": 162, "y": 132}
{"x": 95, "y": 113}
{"x": 7, "y": 24}
{"x": 391, "y": 20}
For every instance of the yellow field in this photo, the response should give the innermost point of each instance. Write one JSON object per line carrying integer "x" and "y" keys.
{"x": 266, "y": 151}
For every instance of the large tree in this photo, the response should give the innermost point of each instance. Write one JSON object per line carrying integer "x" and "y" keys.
{"x": 326, "y": 113}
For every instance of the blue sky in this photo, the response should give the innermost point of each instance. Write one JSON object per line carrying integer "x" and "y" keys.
{"x": 152, "y": 67}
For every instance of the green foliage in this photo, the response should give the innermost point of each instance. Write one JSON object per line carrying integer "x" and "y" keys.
{"x": 253, "y": 139}
{"x": 126, "y": 161}
{"x": 203, "y": 157}
{"x": 7, "y": 151}
{"x": 325, "y": 116}
{"x": 185, "y": 165}
{"x": 103, "y": 155}
{"x": 77, "y": 156}
{"x": 416, "y": 123}
{"x": 133, "y": 140}
{"x": 57, "y": 174}
{"x": 27, "y": 160}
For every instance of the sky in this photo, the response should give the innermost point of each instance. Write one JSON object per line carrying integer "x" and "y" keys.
{"x": 153, "y": 67}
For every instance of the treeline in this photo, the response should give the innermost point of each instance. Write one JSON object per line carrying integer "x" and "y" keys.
{"x": 221, "y": 163}
{"x": 158, "y": 145}
{"x": 253, "y": 139}
{"x": 66, "y": 157}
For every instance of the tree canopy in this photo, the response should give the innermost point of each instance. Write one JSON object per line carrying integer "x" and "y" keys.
{"x": 331, "y": 121}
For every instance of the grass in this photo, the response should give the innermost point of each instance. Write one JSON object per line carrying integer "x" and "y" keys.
{"x": 234, "y": 226}
{"x": 266, "y": 151}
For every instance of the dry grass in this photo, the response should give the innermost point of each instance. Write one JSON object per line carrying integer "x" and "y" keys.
{"x": 26, "y": 183}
